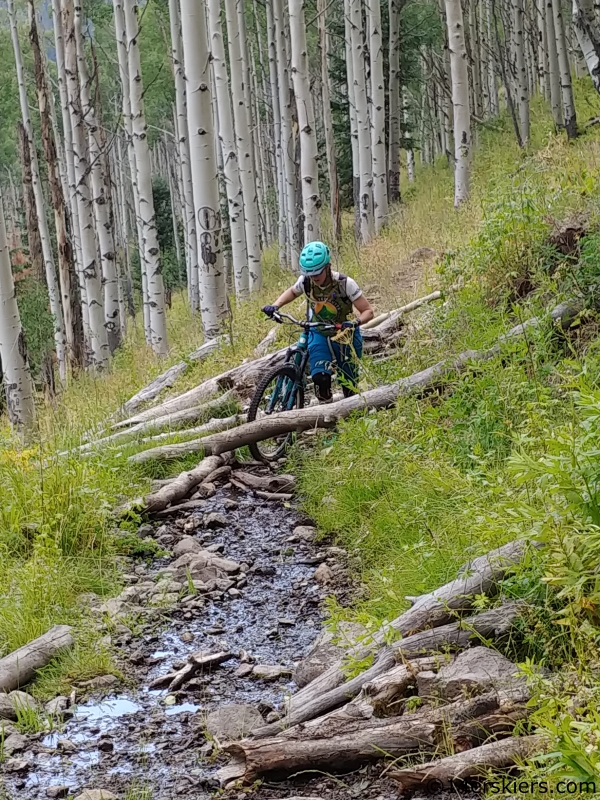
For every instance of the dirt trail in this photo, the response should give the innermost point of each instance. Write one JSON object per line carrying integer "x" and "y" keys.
{"x": 132, "y": 736}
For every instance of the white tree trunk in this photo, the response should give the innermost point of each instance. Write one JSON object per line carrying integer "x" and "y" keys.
{"x": 460, "y": 101}
{"x": 334, "y": 199}
{"x": 183, "y": 146}
{"x": 18, "y": 387}
{"x": 522, "y": 79}
{"x": 277, "y": 123}
{"x": 380, "y": 194}
{"x": 492, "y": 82}
{"x": 121, "y": 34}
{"x": 287, "y": 135}
{"x": 244, "y": 146}
{"x": 98, "y": 342}
{"x": 394, "y": 103}
{"x": 566, "y": 88}
{"x": 353, "y": 117}
{"x": 410, "y": 153}
{"x": 235, "y": 200}
{"x": 40, "y": 204}
{"x": 554, "y": 71}
{"x": 311, "y": 201}
{"x": 583, "y": 22}
{"x": 365, "y": 159}
{"x": 151, "y": 252}
{"x": 213, "y": 300}
{"x": 542, "y": 36}
{"x": 102, "y": 202}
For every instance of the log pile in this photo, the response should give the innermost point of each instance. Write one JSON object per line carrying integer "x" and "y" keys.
{"x": 442, "y": 695}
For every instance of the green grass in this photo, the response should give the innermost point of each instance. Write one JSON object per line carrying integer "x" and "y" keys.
{"x": 413, "y": 492}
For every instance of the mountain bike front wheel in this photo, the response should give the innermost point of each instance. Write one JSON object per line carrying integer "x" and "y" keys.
{"x": 279, "y": 390}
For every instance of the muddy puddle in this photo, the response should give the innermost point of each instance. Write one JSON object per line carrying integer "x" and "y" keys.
{"x": 134, "y": 736}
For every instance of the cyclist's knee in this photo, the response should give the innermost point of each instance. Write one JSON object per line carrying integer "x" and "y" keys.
{"x": 322, "y": 382}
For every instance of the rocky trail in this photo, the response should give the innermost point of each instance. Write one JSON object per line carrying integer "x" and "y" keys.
{"x": 263, "y": 615}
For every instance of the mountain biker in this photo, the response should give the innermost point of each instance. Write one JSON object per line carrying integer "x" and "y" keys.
{"x": 330, "y": 299}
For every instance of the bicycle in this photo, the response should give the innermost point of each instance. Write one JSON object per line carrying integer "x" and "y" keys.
{"x": 287, "y": 393}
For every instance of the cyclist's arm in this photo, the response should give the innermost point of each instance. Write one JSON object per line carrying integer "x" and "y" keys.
{"x": 364, "y": 308}
{"x": 287, "y": 297}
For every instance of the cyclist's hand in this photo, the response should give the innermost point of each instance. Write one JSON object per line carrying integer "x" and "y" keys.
{"x": 270, "y": 310}
{"x": 349, "y": 324}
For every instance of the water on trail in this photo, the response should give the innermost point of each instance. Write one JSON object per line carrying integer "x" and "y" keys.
{"x": 156, "y": 742}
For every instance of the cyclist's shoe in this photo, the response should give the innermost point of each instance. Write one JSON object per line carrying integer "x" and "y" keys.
{"x": 322, "y": 382}
{"x": 324, "y": 402}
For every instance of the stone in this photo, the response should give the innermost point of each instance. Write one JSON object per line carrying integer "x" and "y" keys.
{"x": 475, "y": 671}
{"x": 7, "y": 710}
{"x": 206, "y": 490}
{"x": 186, "y": 544}
{"x": 234, "y": 721}
{"x": 323, "y": 575}
{"x": 187, "y": 637}
{"x": 145, "y": 530}
{"x": 105, "y": 745}
{"x": 57, "y": 791}
{"x": 15, "y": 743}
{"x": 234, "y": 593}
{"x": 243, "y": 671}
{"x": 285, "y": 621}
{"x": 100, "y": 682}
{"x": 115, "y": 607}
{"x": 214, "y": 520}
{"x": 230, "y": 505}
{"x": 17, "y": 765}
{"x": 224, "y": 564}
{"x": 96, "y": 794}
{"x": 326, "y": 650}
{"x": 66, "y": 746}
{"x": 22, "y": 700}
{"x": 215, "y": 548}
{"x": 305, "y": 532}
{"x": 270, "y": 672}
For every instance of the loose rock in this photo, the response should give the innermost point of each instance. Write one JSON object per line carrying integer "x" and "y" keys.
{"x": 96, "y": 794}
{"x": 270, "y": 672}
{"x": 214, "y": 520}
{"x": 57, "y": 791}
{"x": 323, "y": 575}
{"x": 233, "y": 721}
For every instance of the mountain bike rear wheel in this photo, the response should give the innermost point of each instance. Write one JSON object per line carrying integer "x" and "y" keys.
{"x": 279, "y": 390}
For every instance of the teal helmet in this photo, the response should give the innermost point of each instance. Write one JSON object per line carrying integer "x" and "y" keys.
{"x": 314, "y": 258}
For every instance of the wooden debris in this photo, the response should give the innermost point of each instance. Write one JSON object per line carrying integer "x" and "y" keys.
{"x": 182, "y": 484}
{"x": 167, "y": 452}
{"x": 282, "y": 497}
{"x": 19, "y": 667}
{"x": 471, "y": 764}
{"x": 267, "y": 483}
{"x": 492, "y": 624}
{"x": 197, "y": 662}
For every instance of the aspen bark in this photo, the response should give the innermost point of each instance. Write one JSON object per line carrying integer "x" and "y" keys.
{"x": 65, "y": 252}
{"x": 98, "y": 340}
{"x": 334, "y": 195}
{"x": 101, "y": 198}
{"x": 522, "y": 79}
{"x": 121, "y": 35}
{"x": 566, "y": 88}
{"x": 183, "y": 147}
{"x": 277, "y": 132}
{"x": 287, "y": 135}
{"x": 36, "y": 257}
{"x": 554, "y": 71}
{"x": 589, "y": 42}
{"x": 151, "y": 252}
{"x": 460, "y": 101}
{"x": 244, "y": 145}
{"x": 18, "y": 386}
{"x": 365, "y": 158}
{"x": 410, "y": 153}
{"x": 377, "y": 121}
{"x": 394, "y": 103}
{"x": 213, "y": 300}
{"x": 40, "y": 204}
{"x": 231, "y": 171}
{"x": 311, "y": 201}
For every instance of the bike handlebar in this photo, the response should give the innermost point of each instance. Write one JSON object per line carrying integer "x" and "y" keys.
{"x": 279, "y": 317}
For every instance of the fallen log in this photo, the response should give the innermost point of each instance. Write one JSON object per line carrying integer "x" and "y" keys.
{"x": 238, "y": 377}
{"x": 428, "y": 611}
{"x": 174, "y": 421}
{"x": 385, "y": 692}
{"x": 168, "y": 452}
{"x": 352, "y": 736}
{"x": 327, "y": 416}
{"x": 168, "y": 378}
{"x": 181, "y": 485}
{"x": 492, "y": 624}
{"x": 262, "y": 347}
{"x": 213, "y": 425}
{"x": 197, "y": 662}
{"x": 266, "y": 483}
{"x": 189, "y": 505}
{"x": 475, "y": 763}
{"x": 281, "y": 497}
{"x": 19, "y": 667}
{"x": 402, "y": 310}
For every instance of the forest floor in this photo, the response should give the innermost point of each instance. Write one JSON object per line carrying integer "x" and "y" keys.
{"x": 503, "y": 450}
